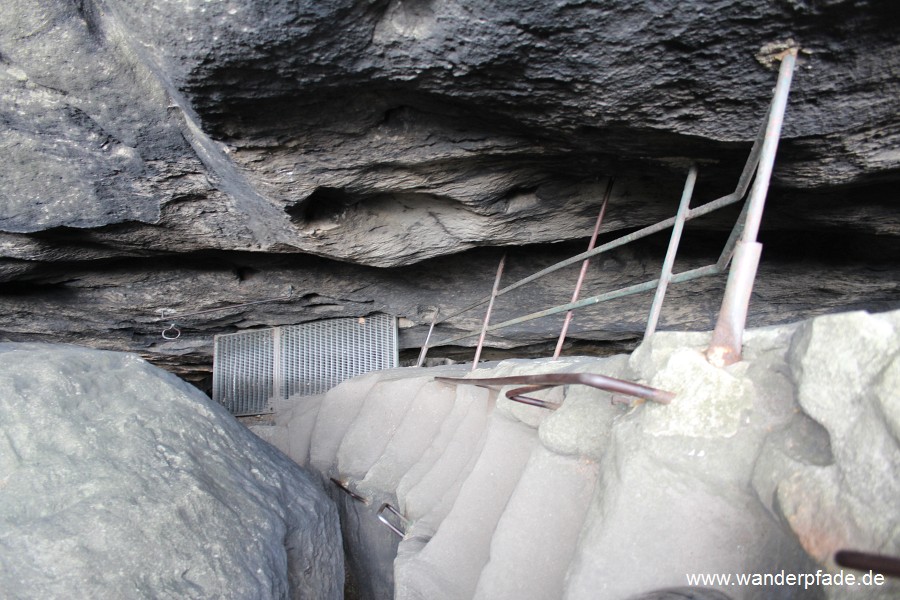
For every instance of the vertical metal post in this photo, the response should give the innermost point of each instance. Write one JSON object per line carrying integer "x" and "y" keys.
{"x": 666, "y": 275}
{"x": 584, "y": 268}
{"x": 424, "y": 350}
{"x": 277, "y": 369}
{"x": 727, "y": 339}
{"x": 487, "y": 315}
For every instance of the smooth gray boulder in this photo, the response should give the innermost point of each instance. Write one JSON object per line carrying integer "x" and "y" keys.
{"x": 118, "y": 480}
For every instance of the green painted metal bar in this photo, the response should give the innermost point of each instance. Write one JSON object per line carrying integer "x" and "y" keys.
{"x": 705, "y": 209}
{"x": 665, "y": 274}
{"x": 733, "y": 237}
{"x": 747, "y": 175}
{"x": 620, "y": 293}
{"x": 424, "y": 351}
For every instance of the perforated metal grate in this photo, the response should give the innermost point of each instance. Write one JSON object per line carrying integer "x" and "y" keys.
{"x": 250, "y": 368}
{"x": 244, "y": 371}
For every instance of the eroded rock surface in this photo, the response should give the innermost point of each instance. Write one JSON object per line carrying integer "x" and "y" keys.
{"x": 120, "y": 481}
{"x": 771, "y": 465}
{"x": 387, "y": 134}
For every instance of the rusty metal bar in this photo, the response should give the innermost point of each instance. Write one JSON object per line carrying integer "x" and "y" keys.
{"x": 760, "y": 188}
{"x": 343, "y": 487}
{"x": 584, "y": 268}
{"x": 487, "y": 314}
{"x": 391, "y": 526}
{"x": 593, "y": 380}
{"x": 727, "y": 339}
{"x": 665, "y": 275}
{"x": 517, "y": 396}
{"x": 532, "y": 401}
{"x": 865, "y": 561}
{"x": 424, "y": 350}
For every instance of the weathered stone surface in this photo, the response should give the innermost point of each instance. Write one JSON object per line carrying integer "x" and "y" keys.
{"x": 713, "y": 401}
{"x": 846, "y": 367}
{"x": 767, "y": 467}
{"x": 569, "y": 74}
{"x": 120, "y": 481}
{"x": 388, "y": 133}
{"x": 115, "y": 305}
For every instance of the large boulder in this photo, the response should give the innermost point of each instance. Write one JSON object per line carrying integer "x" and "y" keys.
{"x": 848, "y": 368}
{"x": 118, "y": 480}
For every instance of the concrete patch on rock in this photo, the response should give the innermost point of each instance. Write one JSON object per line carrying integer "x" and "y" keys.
{"x": 710, "y": 402}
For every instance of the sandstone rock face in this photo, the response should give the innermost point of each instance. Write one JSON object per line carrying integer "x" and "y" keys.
{"x": 172, "y": 138}
{"x": 768, "y": 466}
{"x": 847, "y": 366}
{"x": 120, "y": 481}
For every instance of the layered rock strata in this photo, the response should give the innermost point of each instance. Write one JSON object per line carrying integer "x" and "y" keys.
{"x": 386, "y": 134}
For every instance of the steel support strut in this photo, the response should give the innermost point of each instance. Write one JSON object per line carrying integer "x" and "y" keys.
{"x": 424, "y": 352}
{"x": 583, "y": 272}
{"x": 727, "y": 339}
{"x": 665, "y": 276}
{"x": 487, "y": 314}
{"x": 403, "y": 520}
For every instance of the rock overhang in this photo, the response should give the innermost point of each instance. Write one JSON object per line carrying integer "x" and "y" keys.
{"x": 392, "y": 134}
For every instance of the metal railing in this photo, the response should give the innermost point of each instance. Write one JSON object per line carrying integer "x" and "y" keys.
{"x": 535, "y": 383}
{"x": 726, "y": 346}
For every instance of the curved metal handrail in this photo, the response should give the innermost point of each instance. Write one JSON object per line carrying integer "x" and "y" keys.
{"x": 601, "y": 382}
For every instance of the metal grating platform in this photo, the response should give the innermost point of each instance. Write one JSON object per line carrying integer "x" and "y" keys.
{"x": 251, "y": 368}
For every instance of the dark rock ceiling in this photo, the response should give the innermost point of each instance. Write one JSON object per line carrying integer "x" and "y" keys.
{"x": 378, "y": 155}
